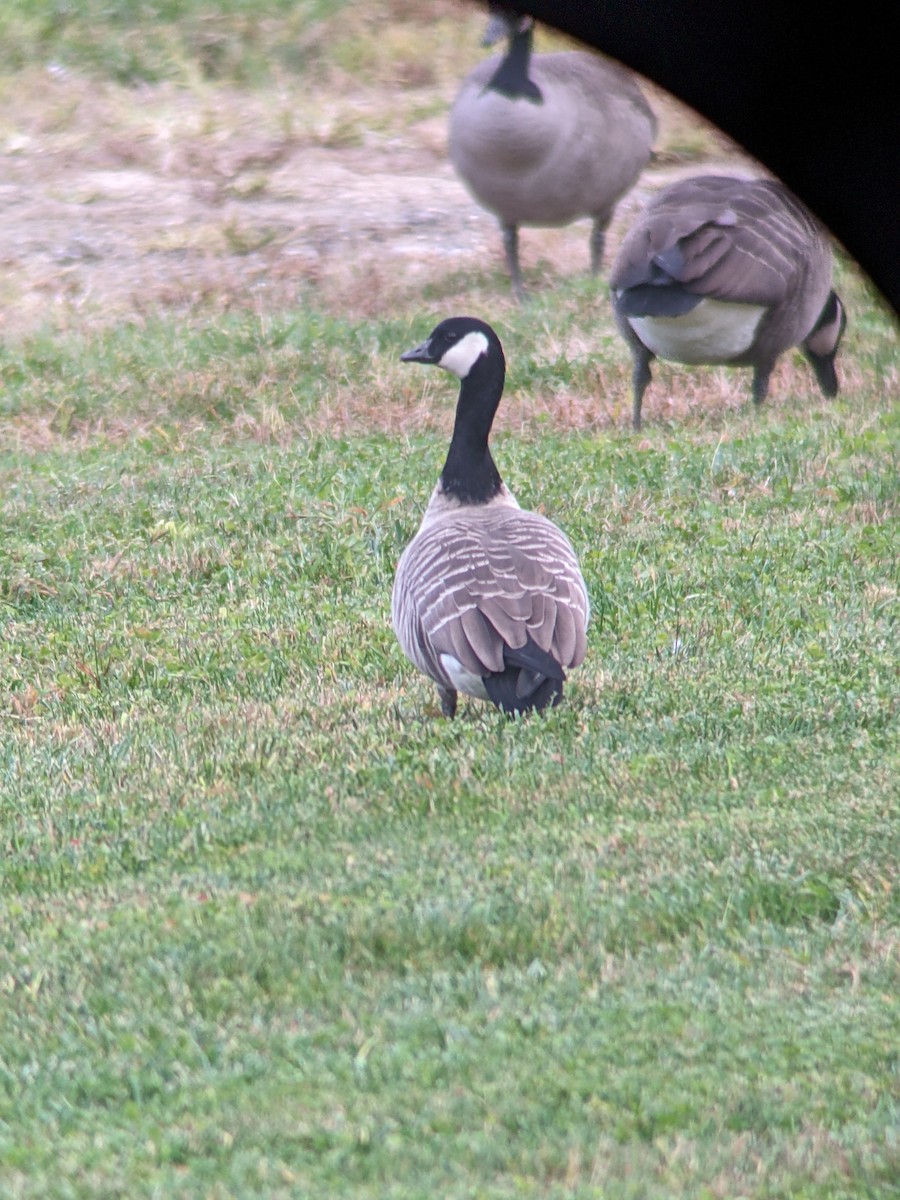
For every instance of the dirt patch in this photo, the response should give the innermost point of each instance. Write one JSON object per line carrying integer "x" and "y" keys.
{"x": 118, "y": 204}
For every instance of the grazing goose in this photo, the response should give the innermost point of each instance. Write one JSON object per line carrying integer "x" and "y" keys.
{"x": 725, "y": 270}
{"x": 545, "y": 140}
{"x": 488, "y": 599}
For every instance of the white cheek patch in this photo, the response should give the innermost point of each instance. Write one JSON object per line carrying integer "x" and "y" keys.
{"x": 462, "y": 357}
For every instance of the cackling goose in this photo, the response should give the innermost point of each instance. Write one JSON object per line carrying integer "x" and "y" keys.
{"x": 488, "y": 598}
{"x": 549, "y": 138}
{"x": 724, "y": 270}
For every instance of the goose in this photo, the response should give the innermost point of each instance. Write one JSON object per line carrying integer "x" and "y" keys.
{"x": 720, "y": 269}
{"x": 488, "y": 598}
{"x": 547, "y": 139}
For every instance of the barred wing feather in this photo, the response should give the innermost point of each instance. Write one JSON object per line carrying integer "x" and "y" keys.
{"x": 470, "y": 588}
{"x": 741, "y": 241}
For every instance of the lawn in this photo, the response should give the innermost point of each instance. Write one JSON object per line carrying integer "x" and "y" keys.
{"x": 269, "y": 925}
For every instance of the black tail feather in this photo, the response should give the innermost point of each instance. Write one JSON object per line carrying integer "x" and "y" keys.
{"x": 531, "y": 679}
{"x": 651, "y": 300}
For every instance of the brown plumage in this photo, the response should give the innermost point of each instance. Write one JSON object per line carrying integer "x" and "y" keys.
{"x": 546, "y": 139}
{"x": 488, "y": 599}
{"x": 719, "y": 269}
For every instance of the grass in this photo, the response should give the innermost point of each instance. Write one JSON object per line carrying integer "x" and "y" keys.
{"x": 135, "y": 42}
{"x": 269, "y": 926}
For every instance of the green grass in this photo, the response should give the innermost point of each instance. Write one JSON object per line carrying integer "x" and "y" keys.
{"x": 236, "y": 42}
{"x": 137, "y": 41}
{"x": 271, "y": 926}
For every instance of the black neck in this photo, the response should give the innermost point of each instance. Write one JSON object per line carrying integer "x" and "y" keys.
{"x": 511, "y": 77}
{"x": 470, "y": 474}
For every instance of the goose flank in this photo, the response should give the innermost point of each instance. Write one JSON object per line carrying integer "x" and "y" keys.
{"x": 488, "y": 598}
{"x": 723, "y": 270}
{"x": 546, "y": 139}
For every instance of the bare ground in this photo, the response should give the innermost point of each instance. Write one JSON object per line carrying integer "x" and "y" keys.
{"x": 121, "y": 204}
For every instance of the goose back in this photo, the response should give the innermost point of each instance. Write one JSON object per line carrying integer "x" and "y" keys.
{"x": 733, "y": 240}
{"x": 475, "y": 584}
{"x": 719, "y": 269}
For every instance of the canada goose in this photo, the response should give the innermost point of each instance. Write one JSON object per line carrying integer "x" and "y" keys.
{"x": 488, "y": 598}
{"x": 725, "y": 270}
{"x": 549, "y": 138}
{"x": 737, "y": 63}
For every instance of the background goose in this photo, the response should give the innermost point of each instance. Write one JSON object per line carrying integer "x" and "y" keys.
{"x": 725, "y": 270}
{"x": 549, "y": 138}
{"x": 488, "y": 599}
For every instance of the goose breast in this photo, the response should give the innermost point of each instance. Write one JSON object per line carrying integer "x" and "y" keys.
{"x": 570, "y": 156}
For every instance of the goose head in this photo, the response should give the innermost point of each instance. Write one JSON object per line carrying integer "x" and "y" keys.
{"x": 504, "y": 22}
{"x": 511, "y": 79}
{"x": 469, "y": 349}
{"x": 458, "y": 345}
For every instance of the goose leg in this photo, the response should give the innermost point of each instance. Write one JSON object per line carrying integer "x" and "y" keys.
{"x": 598, "y": 244}
{"x": 511, "y": 246}
{"x": 448, "y": 701}
{"x": 640, "y": 378}
{"x": 826, "y": 375}
{"x": 761, "y": 383}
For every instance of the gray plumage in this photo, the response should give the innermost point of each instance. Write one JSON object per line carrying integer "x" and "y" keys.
{"x": 546, "y": 139}
{"x": 488, "y": 599}
{"x": 724, "y": 270}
